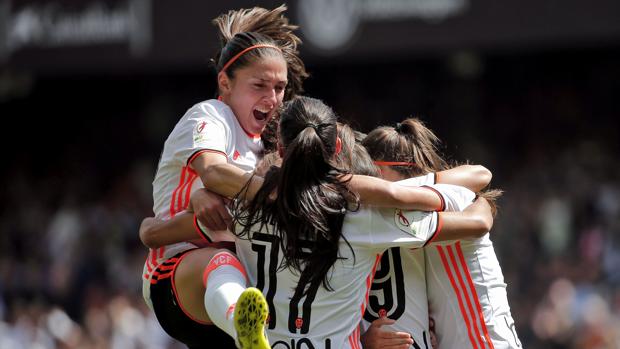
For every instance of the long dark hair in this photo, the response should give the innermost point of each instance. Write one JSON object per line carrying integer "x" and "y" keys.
{"x": 312, "y": 199}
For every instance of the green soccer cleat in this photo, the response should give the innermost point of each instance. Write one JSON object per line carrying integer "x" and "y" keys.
{"x": 251, "y": 313}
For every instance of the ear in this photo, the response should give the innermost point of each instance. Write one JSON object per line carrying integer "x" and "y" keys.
{"x": 338, "y": 145}
{"x": 223, "y": 83}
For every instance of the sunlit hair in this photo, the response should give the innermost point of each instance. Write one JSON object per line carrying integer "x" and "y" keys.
{"x": 312, "y": 197}
{"x": 409, "y": 141}
{"x": 244, "y": 28}
{"x": 240, "y": 29}
{"x": 353, "y": 155}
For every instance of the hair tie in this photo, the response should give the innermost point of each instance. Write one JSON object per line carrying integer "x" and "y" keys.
{"x": 312, "y": 126}
{"x": 317, "y": 127}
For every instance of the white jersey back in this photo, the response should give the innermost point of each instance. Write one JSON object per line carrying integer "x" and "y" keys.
{"x": 322, "y": 318}
{"x": 208, "y": 126}
{"x": 466, "y": 289}
{"x": 399, "y": 288}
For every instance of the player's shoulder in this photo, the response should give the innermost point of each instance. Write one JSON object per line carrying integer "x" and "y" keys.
{"x": 427, "y": 179}
{"x": 369, "y": 218}
{"x": 211, "y": 110}
{"x": 456, "y": 197}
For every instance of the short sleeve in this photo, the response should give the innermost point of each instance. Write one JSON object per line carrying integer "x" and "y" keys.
{"x": 456, "y": 198}
{"x": 389, "y": 227}
{"x": 200, "y": 132}
{"x": 427, "y": 179}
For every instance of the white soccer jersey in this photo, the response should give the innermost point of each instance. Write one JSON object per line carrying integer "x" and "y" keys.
{"x": 208, "y": 126}
{"x": 399, "y": 287}
{"x": 466, "y": 289}
{"x": 330, "y": 319}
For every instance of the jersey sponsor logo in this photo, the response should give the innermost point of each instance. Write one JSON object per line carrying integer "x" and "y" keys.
{"x": 301, "y": 343}
{"x": 387, "y": 293}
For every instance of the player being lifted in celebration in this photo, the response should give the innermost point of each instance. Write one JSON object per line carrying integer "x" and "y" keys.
{"x": 257, "y": 68}
{"x": 464, "y": 282}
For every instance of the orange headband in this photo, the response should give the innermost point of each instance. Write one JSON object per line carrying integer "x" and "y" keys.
{"x": 232, "y": 60}
{"x": 394, "y": 163}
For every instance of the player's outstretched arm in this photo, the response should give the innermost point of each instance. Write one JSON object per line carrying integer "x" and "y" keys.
{"x": 228, "y": 180}
{"x": 472, "y": 177}
{"x": 155, "y": 233}
{"x": 381, "y": 193}
{"x": 210, "y": 207}
{"x": 475, "y": 221}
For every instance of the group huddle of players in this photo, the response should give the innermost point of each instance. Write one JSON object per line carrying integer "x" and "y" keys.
{"x": 277, "y": 226}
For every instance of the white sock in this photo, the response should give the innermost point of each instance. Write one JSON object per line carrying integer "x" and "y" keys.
{"x": 224, "y": 280}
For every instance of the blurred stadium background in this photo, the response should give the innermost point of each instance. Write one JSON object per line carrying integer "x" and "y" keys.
{"x": 89, "y": 91}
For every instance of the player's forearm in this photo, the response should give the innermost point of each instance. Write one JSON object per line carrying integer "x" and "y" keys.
{"x": 156, "y": 233}
{"x": 456, "y": 225}
{"x": 378, "y": 192}
{"x": 472, "y": 177}
{"x": 228, "y": 180}
{"x": 475, "y": 221}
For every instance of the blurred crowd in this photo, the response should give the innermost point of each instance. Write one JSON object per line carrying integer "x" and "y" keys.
{"x": 71, "y": 259}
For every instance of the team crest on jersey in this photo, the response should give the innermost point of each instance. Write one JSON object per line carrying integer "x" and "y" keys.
{"x": 403, "y": 220}
{"x": 199, "y": 132}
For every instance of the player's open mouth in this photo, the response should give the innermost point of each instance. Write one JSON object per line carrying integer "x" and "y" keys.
{"x": 260, "y": 115}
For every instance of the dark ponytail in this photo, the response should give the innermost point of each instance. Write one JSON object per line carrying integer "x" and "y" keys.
{"x": 312, "y": 199}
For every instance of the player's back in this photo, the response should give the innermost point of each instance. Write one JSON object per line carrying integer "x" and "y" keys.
{"x": 323, "y": 318}
{"x": 399, "y": 287}
{"x": 466, "y": 288}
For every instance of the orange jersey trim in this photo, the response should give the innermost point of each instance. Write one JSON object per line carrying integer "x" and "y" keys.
{"x": 437, "y": 230}
{"x": 203, "y": 235}
{"x": 466, "y": 294}
{"x": 202, "y": 151}
{"x": 176, "y": 294}
{"x": 442, "y": 201}
{"x": 470, "y": 282}
{"x": 446, "y": 266}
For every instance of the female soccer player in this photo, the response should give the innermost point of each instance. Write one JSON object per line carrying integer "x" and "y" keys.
{"x": 312, "y": 251}
{"x": 462, "y": 279}
{"x": 257, "y": 68}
